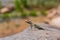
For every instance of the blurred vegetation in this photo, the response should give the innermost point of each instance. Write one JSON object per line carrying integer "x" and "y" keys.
{"x": 45, "y": 4}
{"x": 5, "y": 16}
{"x": 33, "y": 13}
{"x": 50, "y": 4}
{"x": 24, "y": 2}
{"x": 24, "y": 15}
{"x": 17, "y": 6}
{"x": 43, "y": 12}
{"x": 0, "y": 4}
{"x": 12, "y": 15}
{"x": 41, "y": 3}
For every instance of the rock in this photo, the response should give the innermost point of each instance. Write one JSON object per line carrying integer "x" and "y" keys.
{"x": 51, "y": 13}
{"x": 55, "y": 22}
{"x": 3, "y": 10}
{"x": 28, "y": 34}
{"x": 53, "y": 17}
{"x": 7, "y": 9}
